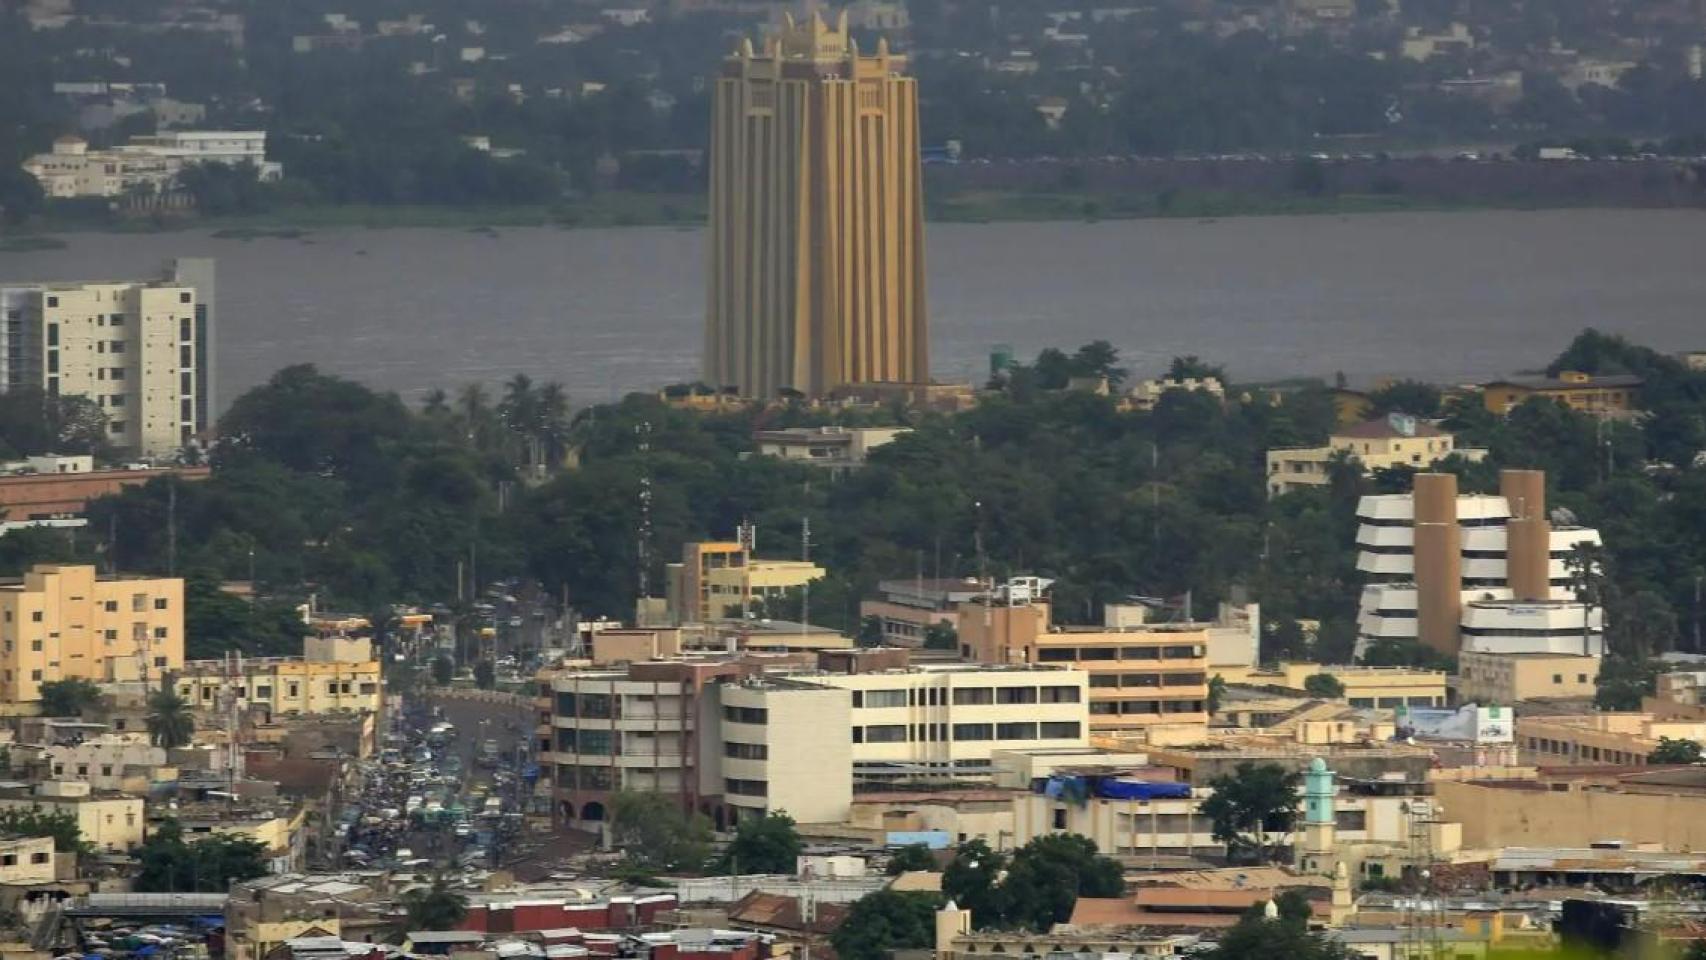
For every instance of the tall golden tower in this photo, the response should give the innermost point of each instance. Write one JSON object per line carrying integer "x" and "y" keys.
{"x": 817, "y": 217}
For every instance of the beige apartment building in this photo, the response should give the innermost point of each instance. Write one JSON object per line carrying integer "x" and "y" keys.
{"x": 142, "y": 350}
{"x": 335, "y": 674}
{"x": 65, "y": 621}
{"x": 1510, "y": 678}
{"x": 1398, "y": 440}
{"x": 109, "y": 822}
{"x": 816, "y": 260}
{"x": 782, "y": 747}
{"x": 1141, "y": 677}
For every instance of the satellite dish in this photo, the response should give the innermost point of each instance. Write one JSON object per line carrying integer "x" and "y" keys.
{"x": 1563, "y": 517}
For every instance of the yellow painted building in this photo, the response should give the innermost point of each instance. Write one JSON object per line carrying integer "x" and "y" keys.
{"x": 65, "y": 621}
{"x": 282, "y": 684}
{"x": 817, "y": 217}
{"x": 1601, "y": 396}
{"x": 1509, "y": 678}
{"x": 717, "y": 580}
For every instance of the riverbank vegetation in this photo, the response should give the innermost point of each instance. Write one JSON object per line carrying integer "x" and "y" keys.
{"x": 322, "y": 485}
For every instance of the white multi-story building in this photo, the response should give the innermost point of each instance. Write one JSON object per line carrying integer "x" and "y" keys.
{"x": 71, "y": 169}
{"x": 141, "y": 349}
{"x": 782, "y": 749}
{"x": 735, "y": 743}
{"x": 1489, "y": 610}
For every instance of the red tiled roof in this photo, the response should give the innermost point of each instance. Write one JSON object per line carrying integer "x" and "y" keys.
{"x": 776, "y": 912}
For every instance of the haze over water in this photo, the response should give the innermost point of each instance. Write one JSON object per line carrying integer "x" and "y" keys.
{"x": 1445, "y": 297}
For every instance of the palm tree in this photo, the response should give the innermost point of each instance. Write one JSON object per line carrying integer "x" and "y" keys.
{"x": 553, "y": 420}
{"x": 474, "y": 409}
{"x": 170, "y": 723}
{"x": 436, "y": 403}
{"x": 435, "y": 908}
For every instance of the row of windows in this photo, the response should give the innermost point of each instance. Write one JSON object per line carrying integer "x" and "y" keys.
{"x": 746, "y": 788}
{"x": 570, "y": 777}
{"x": 1115, "y": 680}
{"x": 1126, "y": 708}
{"x": 1591, "y": 754}
{"x": 1392, "y": 702}
{"x": 745, "y": 751}
{"x": 291, "y": 691}
{"x": 11, "y": 859}
{"x": 1102, "y": 654}
{"x": 753, "y": 715}
{"x": 968, "y": 732}
{"x": 964, "y": 696}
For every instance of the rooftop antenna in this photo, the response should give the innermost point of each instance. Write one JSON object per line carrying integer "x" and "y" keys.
{"x": 806, "y": 588}
{"x": 172, "y": 525}
{"x": 983, "y": 567}
{"x": 747, "y": 534}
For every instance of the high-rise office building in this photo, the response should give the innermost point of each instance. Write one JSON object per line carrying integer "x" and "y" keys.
{"x": 817, "y": 217}
{"x": 140, "y": 349}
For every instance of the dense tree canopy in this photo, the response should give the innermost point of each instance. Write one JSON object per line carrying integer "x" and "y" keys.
{"x": 209, "y": 864}
{"x": 1036, "y": 887}
{"x": 766, "y": 844}
{"x": 1253, "y": 808}
{"x": 887, "y": 920}
{"x": 654, "y": 833}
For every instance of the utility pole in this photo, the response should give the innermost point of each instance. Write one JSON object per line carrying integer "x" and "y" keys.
{"x": 172, "y": 526}
{"x": 642, "y": 548}
{"x": 806, "y": 588}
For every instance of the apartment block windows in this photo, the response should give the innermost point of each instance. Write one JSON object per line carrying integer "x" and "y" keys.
{"x": 886, "y": 733}
{"x": 885, "y": 698}
{"x": 755, "y": 715}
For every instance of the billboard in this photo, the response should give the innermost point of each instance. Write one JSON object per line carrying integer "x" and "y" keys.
{"x": 1466, "y": 724}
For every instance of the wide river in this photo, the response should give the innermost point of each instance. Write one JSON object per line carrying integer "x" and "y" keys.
{"x": 1447, "y": 297}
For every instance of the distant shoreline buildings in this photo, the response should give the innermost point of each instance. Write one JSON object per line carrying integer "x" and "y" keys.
{"x": 150, "y": 163}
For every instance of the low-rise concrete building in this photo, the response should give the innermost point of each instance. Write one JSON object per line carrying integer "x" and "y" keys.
{"x": 1601, "y": 396}
{"x": 109, "y": 822}
{"x": 1141, "y": 677}
{"x": 335, "y": 674}
{"x": 1385, "y": 687}
{"x": 1510, "y": 678}
{"x": 1621, "y": 739}
{"x": 71, "y": 169}
{"x": 1398, "y": 440}
{"x": 26, "y": 860}
{"x": 835, "y": 448}
{"x": 909, "y": 608}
